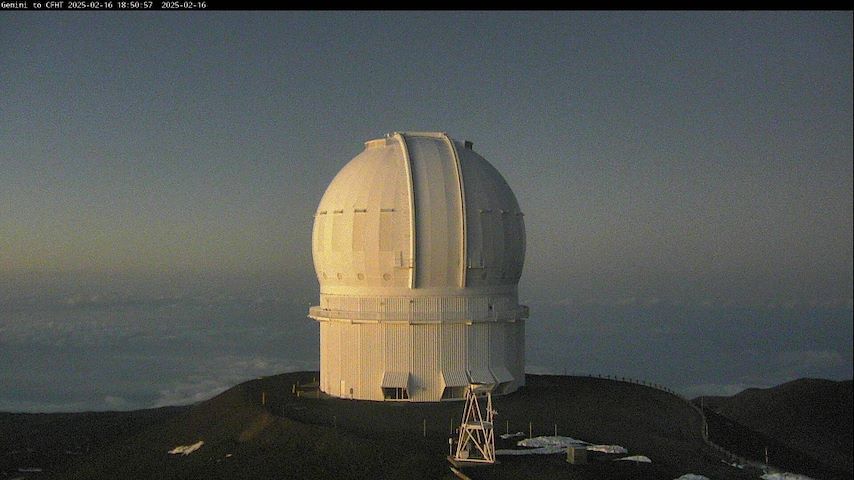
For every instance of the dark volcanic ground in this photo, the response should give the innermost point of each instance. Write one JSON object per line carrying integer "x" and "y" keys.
{"x": 304, "y": 437}
{"x": 810, "y": 415}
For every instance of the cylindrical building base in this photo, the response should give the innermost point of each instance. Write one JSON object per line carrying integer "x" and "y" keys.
{"x": 423, "y": 362}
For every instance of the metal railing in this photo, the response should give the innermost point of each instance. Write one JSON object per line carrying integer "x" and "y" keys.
{"x": 419, "y": 317}
{"x": 704, "y": 433}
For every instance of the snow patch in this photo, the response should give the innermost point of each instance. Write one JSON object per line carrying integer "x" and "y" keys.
{"x": 547, "y": 445}
{"x": 733, "y": 464}
{"x": 785, "y": 476}
{"x": 549, "y": 450}
{"x": 186, "y": 449}
{"x": 552, "y": 442}
{"x": 637, "y": 458}
{"x": 607, "y": 449}
{"x": 566, "y": 442}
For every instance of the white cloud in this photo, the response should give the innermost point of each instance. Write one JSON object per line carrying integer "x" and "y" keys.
{"x": 810, "y": 359}
{"x": 539, "y": 369}
{"x": 794, "y": 364}
{"x": 117, "y": 403}
{"x": 13, "y": 405}
{"x": 219, "y": 374}
{"x": 189, "y": 393}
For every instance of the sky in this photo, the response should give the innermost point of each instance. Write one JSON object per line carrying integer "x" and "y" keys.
{"x": 686, "y": 179}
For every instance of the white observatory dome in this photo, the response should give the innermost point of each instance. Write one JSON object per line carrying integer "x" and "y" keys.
{"x": 418, "y": 245}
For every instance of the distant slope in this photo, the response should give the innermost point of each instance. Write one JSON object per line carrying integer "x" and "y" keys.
{"x": 811, "y": 415}
{"x": 299, "y": 437}
{"x": 37, "y": 440}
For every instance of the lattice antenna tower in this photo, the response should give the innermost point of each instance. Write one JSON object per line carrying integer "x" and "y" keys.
{"x": 476, "y": 443}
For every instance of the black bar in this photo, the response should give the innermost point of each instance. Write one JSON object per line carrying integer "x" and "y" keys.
{"x": 140, "y": 5}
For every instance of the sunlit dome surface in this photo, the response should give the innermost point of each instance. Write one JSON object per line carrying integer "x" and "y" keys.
{"x": 418, "y": 245}
{"x": 456, "y": 225}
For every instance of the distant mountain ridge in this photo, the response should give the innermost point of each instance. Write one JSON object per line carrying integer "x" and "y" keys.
{"x": 809, "y": 414}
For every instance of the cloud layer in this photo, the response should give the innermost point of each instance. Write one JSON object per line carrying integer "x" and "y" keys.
{"x": 99, "y": 352}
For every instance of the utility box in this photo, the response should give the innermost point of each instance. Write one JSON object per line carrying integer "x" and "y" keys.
{"x": 576, "y": 455}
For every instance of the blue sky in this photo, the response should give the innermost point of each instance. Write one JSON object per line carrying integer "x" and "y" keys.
{"x": 688, "y": 171}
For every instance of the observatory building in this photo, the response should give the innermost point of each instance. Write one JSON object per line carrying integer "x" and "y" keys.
{"x": 418, "y": 245}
